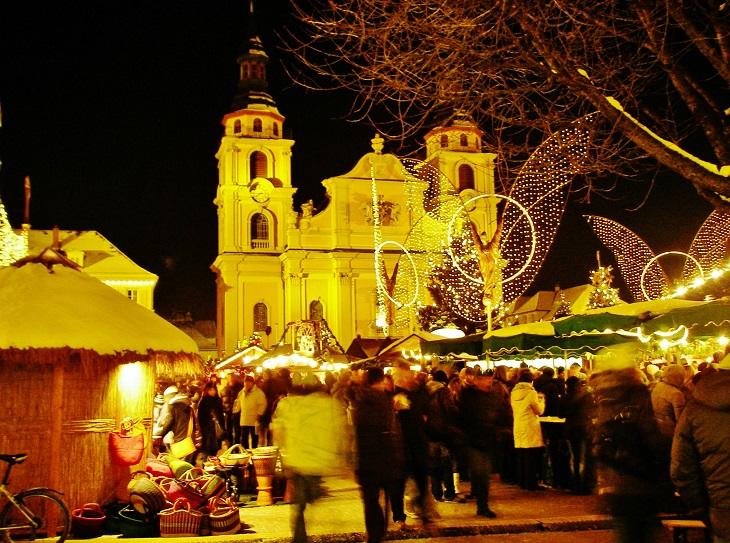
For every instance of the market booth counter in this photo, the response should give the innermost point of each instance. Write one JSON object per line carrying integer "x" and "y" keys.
{"x": 77, "y": 357}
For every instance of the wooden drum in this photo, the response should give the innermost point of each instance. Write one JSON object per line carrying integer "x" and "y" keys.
{"x": 264, "y": 464}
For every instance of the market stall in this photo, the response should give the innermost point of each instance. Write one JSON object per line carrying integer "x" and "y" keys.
{"x": 76, "y": 357}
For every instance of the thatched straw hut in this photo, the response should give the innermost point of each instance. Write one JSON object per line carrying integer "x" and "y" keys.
{"x": 76, "y": 357}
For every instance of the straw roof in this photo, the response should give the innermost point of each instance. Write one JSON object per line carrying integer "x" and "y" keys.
{"x": 52, "y": 312}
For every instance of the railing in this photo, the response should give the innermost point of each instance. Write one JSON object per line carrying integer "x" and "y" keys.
{"x": 260, "y": 244}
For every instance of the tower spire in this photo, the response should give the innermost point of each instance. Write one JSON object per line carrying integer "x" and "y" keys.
{"x": 252, "y": 61}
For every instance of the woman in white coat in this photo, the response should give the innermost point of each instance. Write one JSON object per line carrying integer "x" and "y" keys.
{"x": 527, "y": 406}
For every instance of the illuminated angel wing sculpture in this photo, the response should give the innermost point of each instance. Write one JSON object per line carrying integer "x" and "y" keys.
{"x": 474, "y": 269}
{"x": 633, "y": 255}
{"x": 640, "y": 267}
{"x": 711, "y": 244}
{"x": 542, "y": 187}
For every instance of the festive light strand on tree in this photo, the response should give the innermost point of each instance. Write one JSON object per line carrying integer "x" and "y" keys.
{"x": 603, "y": 295}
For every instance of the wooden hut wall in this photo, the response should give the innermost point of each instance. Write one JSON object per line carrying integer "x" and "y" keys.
{"x": 26, "y": 425}
{"x": 96, "y": 398}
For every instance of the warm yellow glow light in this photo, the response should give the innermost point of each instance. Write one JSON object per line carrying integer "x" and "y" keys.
{"x": 448, "y": 332}
{"x": 723, "y": 341}
{"x": 131, "y": 376}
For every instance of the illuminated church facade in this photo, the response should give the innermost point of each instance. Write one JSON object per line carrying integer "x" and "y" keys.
{"x": 277, "y": 265}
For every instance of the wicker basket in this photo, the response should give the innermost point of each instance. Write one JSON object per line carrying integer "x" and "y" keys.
{"x": 145, "y": 495}
{"x": 225, "y": 518}
{"x": 180, "y": 520}
{"x": 234, "y": 456}
{"x": 88, "y": 520}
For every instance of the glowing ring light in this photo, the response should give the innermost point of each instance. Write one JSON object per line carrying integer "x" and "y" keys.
{"x": 379, "y": 279}
{"x": 533, "y": 231}
{"x": 657, "y": 257}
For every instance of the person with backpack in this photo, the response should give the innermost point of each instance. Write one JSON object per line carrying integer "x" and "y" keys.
{"x": 625, "y": 447}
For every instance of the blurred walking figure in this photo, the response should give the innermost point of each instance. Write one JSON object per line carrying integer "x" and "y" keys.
{"x": 379, "y": 464}
{"x": 443, "y": 434}
{"x": 309, "y": 429}
{"x": 625, "y": 447}
{"x": 527, "y": 406}
{"x": 411, "y": 406}
{"x": 701, "y": 452}
{"x": 479, "y": 409}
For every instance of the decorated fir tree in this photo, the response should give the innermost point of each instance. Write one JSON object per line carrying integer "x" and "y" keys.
{"x": 563, "y": 309}
{"x": 603, "y": 295}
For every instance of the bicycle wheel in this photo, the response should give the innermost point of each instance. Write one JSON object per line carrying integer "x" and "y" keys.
{"x": 44, "y": 507}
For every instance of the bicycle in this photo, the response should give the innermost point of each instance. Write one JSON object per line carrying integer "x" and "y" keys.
{"x": 29, "y": 513}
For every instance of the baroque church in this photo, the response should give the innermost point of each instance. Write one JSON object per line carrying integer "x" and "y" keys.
{"x": 277, "y": 265}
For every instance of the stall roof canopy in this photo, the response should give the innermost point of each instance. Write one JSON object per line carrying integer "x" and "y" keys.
{"x": 52, "y": 306}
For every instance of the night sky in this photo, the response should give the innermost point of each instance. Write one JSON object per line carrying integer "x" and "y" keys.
{"x": 113, "y": 109}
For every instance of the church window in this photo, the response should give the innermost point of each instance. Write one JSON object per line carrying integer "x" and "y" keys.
{"x": 257, "y": 125}
{"x": 444, "y": 140}
{"x": 133, "y": 294}
{"x": 316, "y": 311}
{"x": 463, "y": 140}
{"x": 258, "y": 164}
{"x": 260, "y": 317}
{"x": 466, "y": 177}
{"x": 276, "y": 129}
{"x": 259, "y": 231}
{"x": 237, "y": 126}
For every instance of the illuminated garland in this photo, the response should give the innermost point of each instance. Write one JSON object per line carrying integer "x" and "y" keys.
{"x": 688, "y": 258}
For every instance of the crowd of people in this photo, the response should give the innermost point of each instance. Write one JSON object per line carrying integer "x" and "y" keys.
{"x": 637, "y": 434}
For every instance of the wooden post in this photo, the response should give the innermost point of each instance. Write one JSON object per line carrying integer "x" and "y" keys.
{"x": 54, "y": 452}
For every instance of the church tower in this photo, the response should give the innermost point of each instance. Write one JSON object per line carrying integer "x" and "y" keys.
{"x": 456, "y": 151}
{"x": 254, "y": 200}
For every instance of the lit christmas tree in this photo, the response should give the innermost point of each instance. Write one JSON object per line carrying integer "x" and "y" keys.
{"x": 603, "y": 294}
{"x": 563, "y": 309}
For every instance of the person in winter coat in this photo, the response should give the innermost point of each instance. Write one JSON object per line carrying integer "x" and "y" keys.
{"x": 178, "y": 420}
{"x": 553, "y": 432}
{"x": 441, "y": 423}
{"x": 505, "y": 461}
{"x": 479, "y": 410}
{"x": 577, "y": 408}
{"x": 626, "y": 448}
{"x": 309, "y": 426}
{"x": 527, "y": 406}
{"x": 379, "y": 464}
{"x": 210, "y": 419}
{"x": 701, "y": 452}
{"x": 251, "y": 404}
{"x": 411, "y": 405}
{"x": 668, "y": 399}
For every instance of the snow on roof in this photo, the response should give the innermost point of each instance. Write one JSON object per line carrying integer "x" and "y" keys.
{"x": 64, "y": 308}
{"x": 101, "y": 256}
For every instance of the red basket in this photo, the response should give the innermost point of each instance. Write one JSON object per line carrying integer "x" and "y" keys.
{"x": 87, "y": 520}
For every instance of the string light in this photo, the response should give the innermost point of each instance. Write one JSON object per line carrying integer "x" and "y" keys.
{"x": 379, "y": 278}
{"x": 542, "y": 186}
{"x": 632, "y": 255}
{"x": 657, "y": 257}
{"x": 635, "y": 258}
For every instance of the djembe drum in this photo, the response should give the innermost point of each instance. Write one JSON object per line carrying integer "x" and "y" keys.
{"x": 264, "y": 464}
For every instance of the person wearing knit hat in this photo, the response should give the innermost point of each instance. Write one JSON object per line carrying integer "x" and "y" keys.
{"x": 700, "y": 466}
